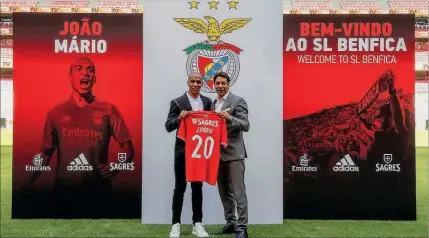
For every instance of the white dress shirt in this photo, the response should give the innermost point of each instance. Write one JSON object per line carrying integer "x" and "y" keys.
{"x": 219, "y": 102}
{"x": 196, "y": 103}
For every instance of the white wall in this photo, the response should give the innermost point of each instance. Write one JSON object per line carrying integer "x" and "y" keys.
{"x": 259, "y": 83}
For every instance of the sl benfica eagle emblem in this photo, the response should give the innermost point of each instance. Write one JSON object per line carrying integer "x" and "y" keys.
{"x": 213, "y": 55}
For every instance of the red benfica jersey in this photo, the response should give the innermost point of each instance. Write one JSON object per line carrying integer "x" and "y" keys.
{"x": 81, "y": 136}
{"x": 203, "y": 132}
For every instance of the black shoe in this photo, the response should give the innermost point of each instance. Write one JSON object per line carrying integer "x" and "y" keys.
{"x": 241, "y": 234}
{"x": 227, "y": 229}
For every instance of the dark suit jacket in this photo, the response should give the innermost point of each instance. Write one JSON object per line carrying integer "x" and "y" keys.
{"x": 236, "y": 150}
{"x": 173, "y": 123}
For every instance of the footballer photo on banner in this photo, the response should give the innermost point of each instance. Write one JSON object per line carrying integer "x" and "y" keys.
{"x": 77, "y": 115}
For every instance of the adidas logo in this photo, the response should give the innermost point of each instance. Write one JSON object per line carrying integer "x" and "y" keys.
{"x": 80, "y": 163}
{"x": 346, "y": 164}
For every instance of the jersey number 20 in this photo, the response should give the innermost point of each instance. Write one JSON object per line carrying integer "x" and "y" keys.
{"x": 208, "y": 146}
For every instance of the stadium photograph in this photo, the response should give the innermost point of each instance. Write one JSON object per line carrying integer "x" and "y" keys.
{"x": 79, "y": 109}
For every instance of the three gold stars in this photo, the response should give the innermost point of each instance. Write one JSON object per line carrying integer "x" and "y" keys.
{"x": 213, "y": 4}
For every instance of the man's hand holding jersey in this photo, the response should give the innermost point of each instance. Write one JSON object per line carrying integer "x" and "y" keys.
{"x": 225, "y": 115}
{"x": 182, "y": 115}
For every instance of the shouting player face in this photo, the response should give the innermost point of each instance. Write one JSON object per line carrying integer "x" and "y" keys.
{"x": 82, "y": 76}
{"x": 195, "y": 82}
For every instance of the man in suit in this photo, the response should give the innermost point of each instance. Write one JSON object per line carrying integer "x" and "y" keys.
{"x": 179, "y": 107}
{"x": 230, "y": 181}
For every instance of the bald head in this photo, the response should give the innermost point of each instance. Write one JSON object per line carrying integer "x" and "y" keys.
{"x": 82, "y": 61}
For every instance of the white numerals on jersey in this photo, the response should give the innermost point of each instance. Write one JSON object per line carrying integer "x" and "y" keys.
{"x": 208, "y": 146}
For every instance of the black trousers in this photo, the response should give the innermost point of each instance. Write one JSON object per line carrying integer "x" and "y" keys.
{"x": 179, "y": 191}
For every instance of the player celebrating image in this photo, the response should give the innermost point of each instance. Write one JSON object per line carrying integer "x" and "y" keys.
{"x": 80, "y": 129}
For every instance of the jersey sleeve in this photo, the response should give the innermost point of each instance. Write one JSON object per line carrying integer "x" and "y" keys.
{"x": 224, "y": 134}
{"x": 119, "y": 128}
{"x": 181, "y": 133}
{"x": 50, "y": 136}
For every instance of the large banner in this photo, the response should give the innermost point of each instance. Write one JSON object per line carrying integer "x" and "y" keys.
{"x": 243, "y": 39}
{"x": 77, "y": 115}
{"x": 349, "y": 117}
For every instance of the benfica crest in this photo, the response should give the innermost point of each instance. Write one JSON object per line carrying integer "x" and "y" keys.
{"x": 213, "y": 55}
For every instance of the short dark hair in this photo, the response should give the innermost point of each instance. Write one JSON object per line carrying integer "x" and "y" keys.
{"x": 223, "y": 75}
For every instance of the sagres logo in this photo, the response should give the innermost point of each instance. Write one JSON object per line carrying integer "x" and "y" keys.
{"x": 304, "y": 165}
{"x": 387, "y": 166}
{"x": 213, "y": 55}
{"x": 122, "y": 165}
{"x": 346, "y": 164}
{"x": 38, "y": 164}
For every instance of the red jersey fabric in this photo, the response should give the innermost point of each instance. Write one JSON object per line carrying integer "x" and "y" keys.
{"x": 81, "y": 136}
{"x": 204, "y": 132}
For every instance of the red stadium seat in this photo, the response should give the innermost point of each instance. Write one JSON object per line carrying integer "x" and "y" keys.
{"x": 360, "y": 5}
{"x": 19, "y": 3}
{"x": 6, "y": 43}
{"x": 311, "y": 5}
{"x": 409, "y": 5}
{"x": 68, "y": 3}
{"x": 6, "y": 28}
{"x": 422, "y": 47}
{"x": 126, "y": 4}
{"x": 5, "y": 77}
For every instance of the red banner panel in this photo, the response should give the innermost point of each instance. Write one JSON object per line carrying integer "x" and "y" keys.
{"x": 77, "y": 115}
{"x": 349, "y": 150}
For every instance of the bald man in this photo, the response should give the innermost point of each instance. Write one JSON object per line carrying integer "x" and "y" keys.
{"x": 79, "y": 129}
{"x": 192, "y": 100}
